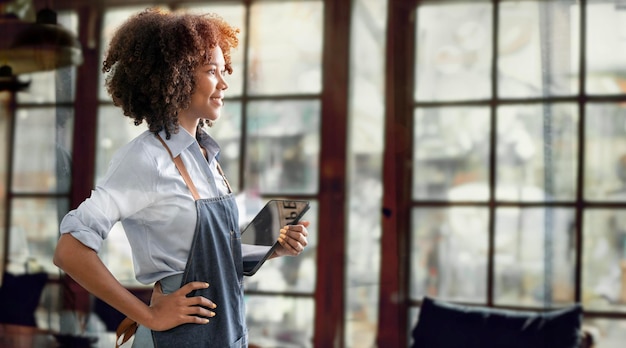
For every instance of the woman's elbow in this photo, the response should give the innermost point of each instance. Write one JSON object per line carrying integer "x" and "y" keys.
{"x": 62, "y": 251}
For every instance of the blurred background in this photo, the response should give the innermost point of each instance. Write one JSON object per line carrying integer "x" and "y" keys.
{"x": 470, "y": 150}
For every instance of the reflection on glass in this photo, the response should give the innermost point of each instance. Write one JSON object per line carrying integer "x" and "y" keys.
{"x": 280, "y": 321}
{"x": 537, "y": 152}
{"x": 41, "y": 158}
{"x": 451, "y": 153}
{"x": 34, "y": 233}
{"x": 605, "y": 49}
{"x": 534, "y": 256}
{"x": 283, "y": 146}
{"x": 604, "y": 271}
{"x": 538, "y": 48}
{"x": 453, "y": 51}
{"x": 449, "y": 253}
{"x": 285, "y": 47}
{"x": 605, "y": 152}
{"x": 290, "y": 274}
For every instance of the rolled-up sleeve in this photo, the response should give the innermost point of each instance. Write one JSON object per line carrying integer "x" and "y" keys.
{"x": 90, "y": 223}
{"x": 126, "y": 188}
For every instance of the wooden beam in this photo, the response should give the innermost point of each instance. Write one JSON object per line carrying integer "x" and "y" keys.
{"x": 393, "y": 305}
{"x": 329, "y": 294}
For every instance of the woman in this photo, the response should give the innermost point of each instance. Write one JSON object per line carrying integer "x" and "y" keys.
{"x": 167, "y": 188}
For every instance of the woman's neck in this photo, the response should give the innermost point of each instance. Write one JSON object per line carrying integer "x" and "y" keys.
{"x": 189, "y": 123}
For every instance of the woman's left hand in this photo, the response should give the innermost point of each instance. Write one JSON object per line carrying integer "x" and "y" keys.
{"x": 292, "y": 239}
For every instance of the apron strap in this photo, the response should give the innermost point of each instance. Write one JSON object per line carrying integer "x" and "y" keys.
{"x": 183, "y": 171}
{"x": 219, "y": 169}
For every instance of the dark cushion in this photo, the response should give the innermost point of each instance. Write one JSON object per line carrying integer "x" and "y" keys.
{"x": 19, "y": 297}
{"x": 446, "y": 325}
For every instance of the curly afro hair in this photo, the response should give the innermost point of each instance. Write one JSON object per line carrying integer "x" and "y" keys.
{"x": 151, "y": 62}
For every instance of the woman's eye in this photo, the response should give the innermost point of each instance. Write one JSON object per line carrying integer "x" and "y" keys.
{"x": 223, "y": 72}
{"x": 212, "y": 71}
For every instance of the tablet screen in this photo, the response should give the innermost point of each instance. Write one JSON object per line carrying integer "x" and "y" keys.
{"x": 259, "y": 237}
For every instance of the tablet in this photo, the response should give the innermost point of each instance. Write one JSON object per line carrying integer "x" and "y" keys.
{"x": 260, "y": 237}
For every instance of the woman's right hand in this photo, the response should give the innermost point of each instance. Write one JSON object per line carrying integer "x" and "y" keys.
{"x": 174, "y": 309}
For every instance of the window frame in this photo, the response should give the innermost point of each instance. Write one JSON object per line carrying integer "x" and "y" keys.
{"x": 395, "y": 303}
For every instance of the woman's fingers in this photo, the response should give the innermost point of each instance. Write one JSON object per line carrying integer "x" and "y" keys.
{"x": 176, "y": 308}
{"x": 197, "y": 304}
{"x": 293, "y": 238}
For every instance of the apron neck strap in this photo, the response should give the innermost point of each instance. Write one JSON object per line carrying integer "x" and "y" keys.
{"x": 183, "y": 171}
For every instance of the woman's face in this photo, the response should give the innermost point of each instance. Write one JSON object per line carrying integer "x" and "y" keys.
{"x": 207, "y": 99}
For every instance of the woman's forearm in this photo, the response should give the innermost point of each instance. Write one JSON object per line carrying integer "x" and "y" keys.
{"x": 85, "y": 266}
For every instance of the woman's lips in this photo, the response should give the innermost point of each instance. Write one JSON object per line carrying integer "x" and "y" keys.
{"x": 217, "y": 101}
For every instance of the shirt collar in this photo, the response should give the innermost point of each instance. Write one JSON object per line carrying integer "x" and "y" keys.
{"x": 182, "y": 140}
{"x": 211, "y": 146}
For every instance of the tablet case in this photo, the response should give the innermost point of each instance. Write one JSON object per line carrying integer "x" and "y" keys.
{"x": 260, "y": 237}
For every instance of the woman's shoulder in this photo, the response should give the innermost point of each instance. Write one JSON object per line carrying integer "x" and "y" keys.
{"x": 140, "y": 154}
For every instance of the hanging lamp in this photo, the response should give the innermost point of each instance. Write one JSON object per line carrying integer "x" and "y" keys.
{"x": 10, "y": 82}
{"x": 40, "y": 46}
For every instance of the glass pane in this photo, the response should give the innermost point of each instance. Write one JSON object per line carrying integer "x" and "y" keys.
{"x": 113, "y": 18}
{"x": 42, "y": 150}
{"x": 283, "y": 146}
{"x": 605, "y": 152}
{"x": 451, "y": 153}
{"x": 453, "y": 51}
{"x": 50, "y": 304}
{"x": 606, "y": 19}
{"x": 235, "y": 16}
{"x": 117, "y": 256}
{"x": 49, "y": 86}
{"x": 604, "y": 259}
{"x": 414, "y": 313}
{"x": 449, "y": 253}
{"x": 608, "y": 333}
{"x": 538, "y": 48}
{"x": 227, "y": 132}
{"x": 275, "y": 321}
{"x": 285, "y": 47}
{"x": 290, "y": 274}
{"x": 114, "y": 131}
{"x": 534, "y": 257}
{"x": 537, "y": 152}
{"x": 34, "y": 234}
{"x": 57, "y": 85}
{"x": 365, "y": 188}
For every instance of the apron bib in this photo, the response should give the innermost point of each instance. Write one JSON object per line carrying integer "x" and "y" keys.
{"x": 215, "y": 257}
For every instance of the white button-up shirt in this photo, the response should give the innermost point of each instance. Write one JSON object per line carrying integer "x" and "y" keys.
{"x": 144, "y": 190}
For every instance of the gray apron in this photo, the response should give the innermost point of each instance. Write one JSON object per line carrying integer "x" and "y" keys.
{"x": 215, "y": 257}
